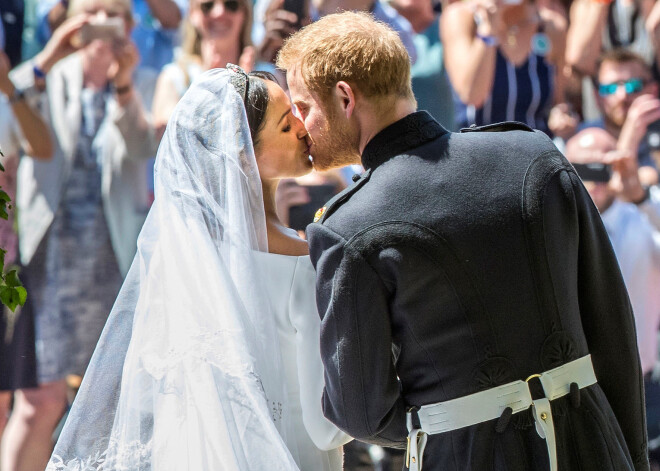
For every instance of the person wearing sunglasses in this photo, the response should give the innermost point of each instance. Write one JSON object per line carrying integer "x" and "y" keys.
{"x": 628, "y": 100}
{"x": 215, "y": 32}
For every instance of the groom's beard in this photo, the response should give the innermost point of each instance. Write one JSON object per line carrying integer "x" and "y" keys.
{"x": 336, "y": 146}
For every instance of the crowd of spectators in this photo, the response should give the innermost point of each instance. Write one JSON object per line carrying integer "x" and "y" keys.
{"x": 84, "y": 102}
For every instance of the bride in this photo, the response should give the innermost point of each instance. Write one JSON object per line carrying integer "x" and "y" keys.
{"x": 210, "y": 358}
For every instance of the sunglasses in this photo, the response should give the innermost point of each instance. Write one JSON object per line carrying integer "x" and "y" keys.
{"x": 633, "y": 85}
{"x": 230, "y": 5}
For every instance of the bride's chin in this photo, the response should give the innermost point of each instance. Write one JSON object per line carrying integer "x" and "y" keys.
{"x": 306, "y": 169}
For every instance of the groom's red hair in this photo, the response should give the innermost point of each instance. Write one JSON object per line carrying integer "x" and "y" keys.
{"x": 353, "y": 47}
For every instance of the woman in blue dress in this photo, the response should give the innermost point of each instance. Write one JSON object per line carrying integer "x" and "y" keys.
{"x": 505, "y": 62}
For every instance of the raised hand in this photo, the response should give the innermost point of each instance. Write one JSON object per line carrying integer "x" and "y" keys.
{"x": 126, "y": 60}
{"x": 248, "y": 58}
{"x": 625, "y": 180}
{"x": 62, "y": 42}
{"x": 563, "y": 121}
{"x": 289, "y": 193}
{"x": 644, "y": 110}
{"x": 279, "y": 24}
{"x": 6, "y": 85}
{"x": 488, "y": 17}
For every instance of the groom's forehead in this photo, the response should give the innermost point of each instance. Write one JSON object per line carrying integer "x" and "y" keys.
{"x": 295, "y": 80}
{"x": 298, "y": 90}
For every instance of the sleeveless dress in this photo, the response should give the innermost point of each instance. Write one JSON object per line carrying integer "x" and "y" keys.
{"x": 74, "y": 276}
{"x": 291, "y": 289}
{"x": 523, "y": 93}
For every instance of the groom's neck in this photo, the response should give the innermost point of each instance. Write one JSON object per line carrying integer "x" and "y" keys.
{"x": 373, "y": 117}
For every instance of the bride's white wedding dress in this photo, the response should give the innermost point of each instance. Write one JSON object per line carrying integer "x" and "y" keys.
{"x": 209, "y": 360}
{"x": 290, "y": 289}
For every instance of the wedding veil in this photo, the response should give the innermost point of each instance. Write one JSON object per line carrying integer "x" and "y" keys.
{"x": 187, "y": 372}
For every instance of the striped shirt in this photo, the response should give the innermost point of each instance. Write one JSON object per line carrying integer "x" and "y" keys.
{"x": 523, "y": 93}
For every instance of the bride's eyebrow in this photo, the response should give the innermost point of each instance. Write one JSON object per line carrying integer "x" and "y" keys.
{"x": 282, "y": 117}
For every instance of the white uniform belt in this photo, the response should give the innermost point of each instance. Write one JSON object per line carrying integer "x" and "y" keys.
{"x": 488, "y": 405}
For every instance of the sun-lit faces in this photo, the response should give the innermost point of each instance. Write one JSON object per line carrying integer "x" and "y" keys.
{"x": 334, "y": 142}
{"x": 615, "y": 106}
{"x": 282, "y": 150}
{"x": 218, "y": 19}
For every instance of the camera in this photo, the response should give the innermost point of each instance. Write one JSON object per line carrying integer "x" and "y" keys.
{"x": 299, "y": 7}
{"x": 111, "y": 29}
{"x": 594, "y": 172}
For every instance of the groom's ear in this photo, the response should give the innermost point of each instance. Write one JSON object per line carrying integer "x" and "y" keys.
{"x": 346, "y": 98}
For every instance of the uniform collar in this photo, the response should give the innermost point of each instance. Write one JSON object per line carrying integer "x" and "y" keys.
{"x": 407, "y": 133}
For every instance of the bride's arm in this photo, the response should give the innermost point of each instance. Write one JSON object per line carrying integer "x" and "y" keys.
{"x": 306, "y": 321}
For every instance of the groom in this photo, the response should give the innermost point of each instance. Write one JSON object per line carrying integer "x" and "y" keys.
{"x": 472, "y": 307}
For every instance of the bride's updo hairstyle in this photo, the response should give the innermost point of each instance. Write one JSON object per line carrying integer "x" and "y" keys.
{"x": 255, "y": 95}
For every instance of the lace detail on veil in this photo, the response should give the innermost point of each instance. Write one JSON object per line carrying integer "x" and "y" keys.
{"x": 137, "y": 453}
{"x": 202, "y": 347}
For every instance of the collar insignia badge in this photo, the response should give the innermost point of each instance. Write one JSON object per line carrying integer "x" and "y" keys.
{"x": 319, "y": 214}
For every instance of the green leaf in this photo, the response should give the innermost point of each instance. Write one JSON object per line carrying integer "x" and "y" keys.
{"x": 2, "y": 260}
{"x": 4, "y": 196}
{"x": 2, "y": 167}
{"x": 5, "y": 295}
{"x": 12, "y": 280}
{"x": 9, "y": 297}
{"x": 22, "y": 295}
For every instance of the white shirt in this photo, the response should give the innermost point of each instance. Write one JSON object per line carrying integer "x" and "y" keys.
{"x": 635, "y": 235}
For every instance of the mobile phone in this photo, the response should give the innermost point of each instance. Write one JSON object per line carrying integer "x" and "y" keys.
{"x": 302, "y": 215}
{"x": 298, "y": 7}
{"x": 653, "y": 135}
{"x": 594, "y": 172}
{"x": 110, "y": 30}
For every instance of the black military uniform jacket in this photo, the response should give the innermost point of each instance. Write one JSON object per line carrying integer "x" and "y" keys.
{"x": 463, "y": 261}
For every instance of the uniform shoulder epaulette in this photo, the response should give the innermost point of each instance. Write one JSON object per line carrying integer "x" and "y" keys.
{"x": 499, "y": 127}
{"x": 340, "y": 198}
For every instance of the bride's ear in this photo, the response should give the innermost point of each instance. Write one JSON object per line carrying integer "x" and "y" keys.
{"x": 345, "y": 97}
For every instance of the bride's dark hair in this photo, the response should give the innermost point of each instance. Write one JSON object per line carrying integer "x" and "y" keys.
{"x": 257, "y": 102}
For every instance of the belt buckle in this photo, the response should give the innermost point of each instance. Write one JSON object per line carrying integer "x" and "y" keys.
{"x": 531, "y": 377}
{"x": 543, "y": 416}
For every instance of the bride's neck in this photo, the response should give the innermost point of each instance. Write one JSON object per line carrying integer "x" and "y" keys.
{"x": 280, "y": 238}
{"x": 269, "y": 190}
